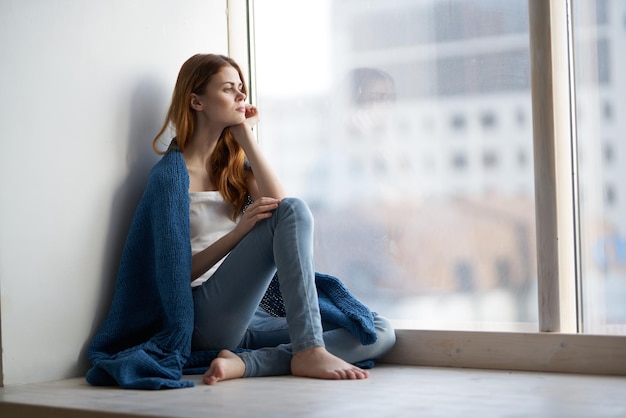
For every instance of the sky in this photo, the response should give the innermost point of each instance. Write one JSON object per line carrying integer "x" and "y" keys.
{"x": 292, "y": 47}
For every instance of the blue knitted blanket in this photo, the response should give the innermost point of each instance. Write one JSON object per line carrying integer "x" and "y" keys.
{"x": 145, "y": 339}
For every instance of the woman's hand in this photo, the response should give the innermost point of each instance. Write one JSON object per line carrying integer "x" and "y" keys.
{"x": 264, "y": 181}
{"x": 252, "y": 115}
{"x": 241, "y": 130}
{"x": 260, "y": 209}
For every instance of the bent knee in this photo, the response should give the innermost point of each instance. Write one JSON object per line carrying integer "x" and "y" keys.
{"x": 297, "y": 206}
{"x": 295, "y": 203}
{"x": 386, "y": 335}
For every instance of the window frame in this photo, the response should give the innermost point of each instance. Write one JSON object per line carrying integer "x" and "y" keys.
{"x": 555, "y": 176}
{"x": 559, "y": 345}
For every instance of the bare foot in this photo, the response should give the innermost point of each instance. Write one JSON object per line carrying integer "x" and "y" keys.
{"x": 227, "y": 365}
{"x": 318, "y": 363}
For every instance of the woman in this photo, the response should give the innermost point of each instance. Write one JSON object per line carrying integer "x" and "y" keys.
{"x": 242, "y": 230}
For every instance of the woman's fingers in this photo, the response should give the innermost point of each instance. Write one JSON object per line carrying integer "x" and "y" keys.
{"x": 261, "y": 208}
{"x": 252, "y": 115}
{"x": 263, "y": 204}
{"x": 251, "y": 111}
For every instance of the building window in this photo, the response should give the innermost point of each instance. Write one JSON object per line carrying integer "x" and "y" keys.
{"x": 609, "y": 153}
{"x": 522, "y": 158}
{"x": 602, "y": 12}
{"x": 464, "y": 275}
{"x": 458, "y": 122}
{"x": 488, "y": 120}
{"x": 607, "y": 111}
{"x": 520, "y": 117}
{"x": 610, "y": 195}
{"x": 604, "y": 61}
{"x": 459, "y": 161}
{"x": 503, "y": 271}
{"x": 490, "y": 159}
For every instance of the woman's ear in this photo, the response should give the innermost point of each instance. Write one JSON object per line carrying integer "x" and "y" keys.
{"x": 195, "y": 102}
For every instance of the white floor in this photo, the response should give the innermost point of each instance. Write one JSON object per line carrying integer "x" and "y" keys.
{"x": 391, "y": 391}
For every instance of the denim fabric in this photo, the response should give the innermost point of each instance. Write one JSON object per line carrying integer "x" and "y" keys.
{"x": 268, "y": 336}
{"x": 226, "y": 307}
{"x": 225, "y": 304}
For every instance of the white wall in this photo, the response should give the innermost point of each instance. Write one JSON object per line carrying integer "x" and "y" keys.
{"x": 84, "y": 86}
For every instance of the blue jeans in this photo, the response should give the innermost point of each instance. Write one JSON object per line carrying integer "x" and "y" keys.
{"x": 268, "y": 336}
{"x": 227, "y": 313}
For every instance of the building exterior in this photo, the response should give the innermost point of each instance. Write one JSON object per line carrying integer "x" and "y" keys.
{"x": 429, "y": 189}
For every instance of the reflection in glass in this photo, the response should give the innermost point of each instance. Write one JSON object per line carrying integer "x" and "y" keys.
{"x": 406, "y": 126}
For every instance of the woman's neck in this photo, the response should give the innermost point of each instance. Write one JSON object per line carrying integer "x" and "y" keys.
{"x": 198, "y": 151}
{"x": 200, "y": 146}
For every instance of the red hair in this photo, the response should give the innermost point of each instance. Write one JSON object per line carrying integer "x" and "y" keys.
{"x": 227, "y": 163}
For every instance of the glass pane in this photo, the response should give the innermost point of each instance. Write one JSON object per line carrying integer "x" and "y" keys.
{"x": 407, "y": 127}
{"x": 600, "y": 39}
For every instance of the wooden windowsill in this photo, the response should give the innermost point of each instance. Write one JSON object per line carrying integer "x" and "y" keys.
{"x": 546, "y": 352}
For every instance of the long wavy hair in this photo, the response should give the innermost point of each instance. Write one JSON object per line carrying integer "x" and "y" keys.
{"x": 227, "y": 164}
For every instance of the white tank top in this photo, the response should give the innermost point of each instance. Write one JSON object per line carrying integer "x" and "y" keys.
{"x": 209, "y": 220}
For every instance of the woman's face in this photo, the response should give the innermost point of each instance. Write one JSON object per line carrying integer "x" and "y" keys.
{"x": 223, "y": 102}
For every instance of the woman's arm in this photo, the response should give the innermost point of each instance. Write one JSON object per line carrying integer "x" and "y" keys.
{"x": 205, "y": 259}
{"x": 264, "y": 187}
{"x": 264, "y": 182}
{"x": 202, "y": 261}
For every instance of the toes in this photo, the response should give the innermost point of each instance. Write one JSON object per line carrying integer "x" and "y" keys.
{"x": 357, "y": 373}
{"x": 209, "y": 380}
{"x": 351, "y": 374}
{"x": 342, "y": 374}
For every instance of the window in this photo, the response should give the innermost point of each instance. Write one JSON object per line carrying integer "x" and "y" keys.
{"x": 464, "y": 276}
{"x": 610, "y": 195}
{"x": 459, "y": 161}
{"x": 599, "y": 41}
{"x": 609, "y": 154}
{"x": 415, "y": 52}
{"x": 490, "y": 159}
{"x": 522, "y": 157}
{"x": 503, "y": 270}
{"x": 520, "y": 117}
{"x": 488, "y": 120}
{"x": 458, "y": 122}
{"x": 336, "y": 83}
